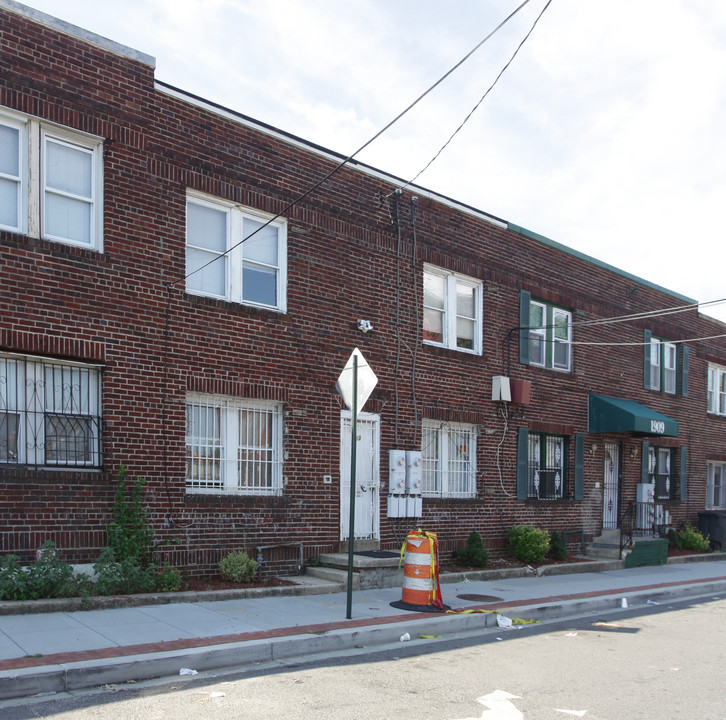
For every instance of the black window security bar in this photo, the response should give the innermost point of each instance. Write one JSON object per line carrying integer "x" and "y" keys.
{"x": 50, "y": 413}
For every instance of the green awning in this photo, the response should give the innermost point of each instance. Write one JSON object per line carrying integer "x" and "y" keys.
{"x": 608, "y": 414}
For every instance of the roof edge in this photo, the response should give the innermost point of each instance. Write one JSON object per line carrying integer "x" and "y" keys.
{"x": 599, "y": 263}
{"x": 78, "y": 32}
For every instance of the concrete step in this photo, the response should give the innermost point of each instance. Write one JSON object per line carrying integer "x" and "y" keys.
{"x": 334, "y": 575}
{"x": 603, "y": 551}
{"x": 360, "y": 562}
{"x": 368, "y": 572}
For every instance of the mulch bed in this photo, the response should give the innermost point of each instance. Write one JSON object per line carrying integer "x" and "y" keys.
{"x": 217, "y": 583}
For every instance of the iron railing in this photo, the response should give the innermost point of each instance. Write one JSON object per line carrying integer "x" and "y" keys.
{"x": 642, "y": 519}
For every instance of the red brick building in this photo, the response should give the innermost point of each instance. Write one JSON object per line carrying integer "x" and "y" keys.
{"x": 140, "y": 327}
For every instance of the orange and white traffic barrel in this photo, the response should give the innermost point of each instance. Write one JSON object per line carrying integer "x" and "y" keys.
{"x": 420, "y": 590}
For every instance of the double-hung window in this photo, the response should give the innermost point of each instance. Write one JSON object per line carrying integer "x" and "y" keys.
{"x": 715, "y": 496}
{"x": 716, "y": 390}
{"x": 448, "y": 452}
{"x": 51, "y": 182}
{"x": 545, "y": 334}
{"x": 452, "y": 312}
{"x": 233, "y": 254}
{"x": 50, "y": 413}
{"x": 663, "y": 366}
{"x": 233, "y": 446}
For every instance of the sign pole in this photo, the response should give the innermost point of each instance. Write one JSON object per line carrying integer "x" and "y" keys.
{"x": 351, "y": 522}
{"x": 356, "y": 371}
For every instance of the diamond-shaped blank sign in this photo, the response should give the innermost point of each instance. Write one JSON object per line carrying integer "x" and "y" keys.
{"x": 367, "y": 380}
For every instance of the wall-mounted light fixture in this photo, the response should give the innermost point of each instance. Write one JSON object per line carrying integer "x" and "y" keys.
{"x": 633, "y": 452}
{"x": 365, "y": 326}
{"x": 593, "y": 448}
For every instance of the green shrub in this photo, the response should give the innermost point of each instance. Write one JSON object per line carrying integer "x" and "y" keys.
{"x": 673, "y": 539}
{"x": 48, "y": 577}
{"x": 528, "y": 543}
{"x": 557, "y": 551}
{"x": 691, "y": 538}
{"x": 129, "y": 532}
{"x": 122, "y": 577}
{"x": 474, "y": 554}
{"x": 237, "y": 567}
{"x": 168, "y": 579}
{"x": 13, "y": 579}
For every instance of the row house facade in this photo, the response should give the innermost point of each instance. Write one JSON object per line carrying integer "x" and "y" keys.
{"x": 169, "y": 304}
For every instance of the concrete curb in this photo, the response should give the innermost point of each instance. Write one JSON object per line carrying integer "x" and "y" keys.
{"x": 92, "y": 673}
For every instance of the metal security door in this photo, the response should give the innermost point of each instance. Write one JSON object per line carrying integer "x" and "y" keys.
{"x": 367, "y": 506}
{"x": 611, "y": 486}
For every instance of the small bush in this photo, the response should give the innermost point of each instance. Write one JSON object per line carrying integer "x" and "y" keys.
{"x": 238, "y": 567}
{"x": 48, "y": 577}
{"x": 673, "y": 539}
{"x": 528, "y": 544}
{"x": 474, "y": 554}
{"x": 13, "y": 579}
{"x": 557, "y": 551}
{"x": 122, "y": 577}
{"x": 168, "y": 579}
{"x": 692, "y": 539}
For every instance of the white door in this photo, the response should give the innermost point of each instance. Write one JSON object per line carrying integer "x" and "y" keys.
{"x": 611, "y": 486}
{"x": 367, "y": 505}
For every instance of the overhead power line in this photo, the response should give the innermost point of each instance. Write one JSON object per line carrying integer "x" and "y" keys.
{"x": 350, "y": 157}
{"x": 481, "y": 100}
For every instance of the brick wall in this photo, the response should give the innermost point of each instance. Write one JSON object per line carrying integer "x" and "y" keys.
{"x": 345, "y": 262}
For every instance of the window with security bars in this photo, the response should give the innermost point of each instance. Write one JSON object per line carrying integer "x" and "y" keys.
{"x": 448, "y": 453}
{"x": 50, "y": 413}
{"x": 233, "y": 446}
{"x": 547, "y": 464}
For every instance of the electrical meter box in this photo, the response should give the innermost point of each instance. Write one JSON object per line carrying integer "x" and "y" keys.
{"x": 396, "y": 472}
{"x": 414, "y": 472}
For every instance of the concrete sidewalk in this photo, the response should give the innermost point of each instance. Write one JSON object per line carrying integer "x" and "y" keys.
{"x": 62, "y": 651}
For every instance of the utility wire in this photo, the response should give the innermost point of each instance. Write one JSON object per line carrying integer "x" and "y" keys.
{"x": 649, "y": 314}
{"x": 481, "y": 100}
{"x": 344, "y": 162}
{"x": 670, "y": 342}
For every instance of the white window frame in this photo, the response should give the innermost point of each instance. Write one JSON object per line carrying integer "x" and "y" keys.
{"x": 546, "y": 337}
{"x": 219, "y": 461}
{"x": 233, "y": 254}
{"x": 663, "y": 366}
{"x": 716, "y": 398}
{"x": 716, "y": 486}
{"x": 450, "y": 317}
{"x": 38, "y": 395}
{"x": 448, "y": 472}
{"x": 32, "y": 219}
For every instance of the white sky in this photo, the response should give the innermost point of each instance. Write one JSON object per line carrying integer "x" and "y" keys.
{"x": 606, "y": 134}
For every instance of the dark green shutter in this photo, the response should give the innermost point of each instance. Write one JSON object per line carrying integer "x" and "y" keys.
{"x": 522, "y": 462}
{"x": 644, "y": 461}
{"x": 524, "y": 299}
{"x": 579, "y": 466}
{"x": 684, "y": 474}
{"x": 647, "y": 336}
{"x": 685, "y": 359}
